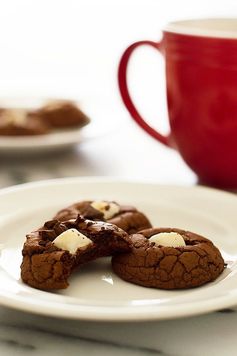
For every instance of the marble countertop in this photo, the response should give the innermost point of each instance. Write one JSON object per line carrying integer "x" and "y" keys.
{"x": 124, "y": 152}
{"x": 25, "y": 334}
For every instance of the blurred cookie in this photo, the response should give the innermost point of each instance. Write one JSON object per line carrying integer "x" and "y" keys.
{"x": 62, "y": 114}
{"x": 18, "y": 122}
{"x": 169, "y": 259}
{"x": 127, "y": 218}
{"x": 51, "y": 253}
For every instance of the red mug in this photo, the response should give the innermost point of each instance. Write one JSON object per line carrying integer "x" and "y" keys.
{"x": 201, "y": 79}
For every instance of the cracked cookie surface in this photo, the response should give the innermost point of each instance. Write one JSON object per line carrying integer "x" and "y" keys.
{"x": 127, "y": 218}
{"x": 45, "y": 266}
{"x": 149, "y": 265}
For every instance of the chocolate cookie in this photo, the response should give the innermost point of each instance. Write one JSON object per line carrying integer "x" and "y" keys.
{"x": 62, "y": 114}
{"x": 19, "y": 122}
{"x": 51, "y": 253}
{"x": 127, "y": 218}
{"x": 187, "y": 260}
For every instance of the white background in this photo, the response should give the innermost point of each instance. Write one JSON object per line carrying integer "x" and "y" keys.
{"x": 72, "y": 47}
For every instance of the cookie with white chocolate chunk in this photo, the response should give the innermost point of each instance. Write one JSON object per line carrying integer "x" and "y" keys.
{"x": 127, "y": 218}
{"x": 53, "y": 252}
{"x": 169, "y": 259}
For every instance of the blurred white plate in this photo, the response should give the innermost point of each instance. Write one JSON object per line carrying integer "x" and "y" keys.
{"x": 95, "y": 292}
{"x": 43, "y": 143}
{"x": 103, "y": 121}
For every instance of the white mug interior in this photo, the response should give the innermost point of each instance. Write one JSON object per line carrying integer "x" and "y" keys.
{"x": 210, "y": 27}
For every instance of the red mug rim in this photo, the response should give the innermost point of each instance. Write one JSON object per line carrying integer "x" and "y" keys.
{"x": 225, "y": 28}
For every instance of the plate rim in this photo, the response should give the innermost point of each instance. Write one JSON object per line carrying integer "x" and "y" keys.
{"x": 113, "y": 179}
{"x": 51, "y": 139}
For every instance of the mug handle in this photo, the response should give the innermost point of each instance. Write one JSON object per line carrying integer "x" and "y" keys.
{"x": 123, "y": 86}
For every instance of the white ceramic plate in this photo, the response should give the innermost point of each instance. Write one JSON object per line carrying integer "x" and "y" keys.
{"x": 100, "y": 124}
{"x": 95, "y": 293}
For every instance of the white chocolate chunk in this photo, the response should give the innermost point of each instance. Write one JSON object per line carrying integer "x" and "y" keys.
{"x": 14, "y": 116}
{"x": 168, "y": 239}
{"x": 108, "y": 209}
{"x": 71, "y": 240}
